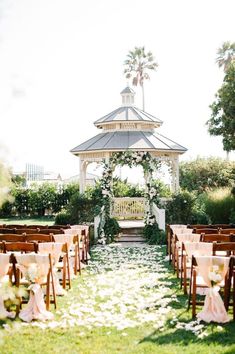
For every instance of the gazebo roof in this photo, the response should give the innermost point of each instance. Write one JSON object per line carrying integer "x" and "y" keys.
{"x": 132, "y": 140}
{"x": 127, "y": 114}
{"x": 128, "y": 128}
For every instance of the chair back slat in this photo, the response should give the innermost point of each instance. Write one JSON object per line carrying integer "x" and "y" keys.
{"x": 23, "y": 247}
{"x": 12, "y": 238}
{"x": 216, "y": 238}
{"x": 38, "y": 238}
{"x": 26, "y": 231}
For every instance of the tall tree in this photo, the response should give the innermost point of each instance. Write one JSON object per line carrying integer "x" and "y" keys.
{"x": 226, "y": 55}
{"x": 137, "y": 66}
{"x": 222, "y": 121}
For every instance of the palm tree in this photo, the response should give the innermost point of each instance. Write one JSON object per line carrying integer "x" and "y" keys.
{"x": 137, "y": 65}
{"x": 226, "y": 55}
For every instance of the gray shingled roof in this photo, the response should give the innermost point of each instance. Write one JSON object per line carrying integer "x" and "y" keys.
{"x": 127, "y": 90}
{"x": 133, "y": 140}
{"x": 127, "y": 113}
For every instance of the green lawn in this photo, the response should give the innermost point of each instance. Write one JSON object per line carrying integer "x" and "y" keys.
{"x": 29, "y": 221}
{"x": 126, "y": 301}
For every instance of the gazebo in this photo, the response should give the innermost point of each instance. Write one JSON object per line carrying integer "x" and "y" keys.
{"x": 128, "y": 128}
{"x": 129, "y": 134}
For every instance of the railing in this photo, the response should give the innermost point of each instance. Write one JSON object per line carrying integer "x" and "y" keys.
{"x": 128, "y": 207}
{"x": 159, "y": 216}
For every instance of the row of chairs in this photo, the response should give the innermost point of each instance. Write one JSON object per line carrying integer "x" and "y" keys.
{"x": 199, "y": 229}
{"x": 33, "y": 226}
{"x": 31, "y": 231}
{"x": 24, "y": 243}
{"x": 185, "y": 264}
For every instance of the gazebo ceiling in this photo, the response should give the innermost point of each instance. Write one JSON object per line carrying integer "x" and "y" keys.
{"x": 132, "y": 140}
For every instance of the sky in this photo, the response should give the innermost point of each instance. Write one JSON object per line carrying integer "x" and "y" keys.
{"x": 61, "y": 69}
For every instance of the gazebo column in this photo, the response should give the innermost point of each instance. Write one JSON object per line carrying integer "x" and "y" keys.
{"x": 82, "y": 175}
{"x": 175, "y": 175}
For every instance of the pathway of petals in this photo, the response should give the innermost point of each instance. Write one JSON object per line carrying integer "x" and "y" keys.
{"x": 126, "y": 288}
{"x": 121, "y": 288}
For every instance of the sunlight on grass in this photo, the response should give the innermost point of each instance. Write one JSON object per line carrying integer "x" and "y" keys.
{"x": 126, "y": 301}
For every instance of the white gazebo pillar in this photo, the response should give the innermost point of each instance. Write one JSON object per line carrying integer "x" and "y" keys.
{"x": 175, "y": 174}
{"x": 82, "y": 175}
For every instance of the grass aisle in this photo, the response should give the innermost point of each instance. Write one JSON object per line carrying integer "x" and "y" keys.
{"x": 126, "y": 301}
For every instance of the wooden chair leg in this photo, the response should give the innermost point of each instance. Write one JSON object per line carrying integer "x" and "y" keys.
{"x": 52, "y": 283}
{"x": 64, "y": 272}
{"x": 234, "y": 295}
{"x": 194, "y": 294}
{"x": 75, "y": 259}
{"x": 185, "y": 275}
{"x": 79, "y": 261}
{"x": 48, "y": 291}
{"x": 68, "y": 269}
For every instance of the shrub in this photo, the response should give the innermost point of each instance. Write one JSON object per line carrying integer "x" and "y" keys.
{"x": 179, "y": 210}
{"x": 63, "y": 218}
{"x": 219, "y": 205}
{"x": 203, "y": 174}
{"x": 111, "y": 229}
{"x": 154, "y": 235}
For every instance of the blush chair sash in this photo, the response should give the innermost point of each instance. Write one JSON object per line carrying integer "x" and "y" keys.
{"x": 198, "y": 249}
{"x": 55, "y": 249}
{"x": 213, "y": 309}
{"x": 36, "y": 307}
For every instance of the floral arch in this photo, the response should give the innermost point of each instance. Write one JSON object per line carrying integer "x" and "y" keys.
{"x": 149, "y": 164}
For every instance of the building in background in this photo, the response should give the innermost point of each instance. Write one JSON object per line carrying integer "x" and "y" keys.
{"x": 34, "y": 172}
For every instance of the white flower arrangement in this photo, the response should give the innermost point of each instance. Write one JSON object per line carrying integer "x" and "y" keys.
{"x": 214, "y": 275}
{"x": 32, "y": 273}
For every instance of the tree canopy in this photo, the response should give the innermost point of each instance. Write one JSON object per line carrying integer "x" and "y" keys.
{"x": 204, "y": 174}
{"x": 226, "y": 55}
{"x": 138, "y": 65}
{"x": 222, "y": 121}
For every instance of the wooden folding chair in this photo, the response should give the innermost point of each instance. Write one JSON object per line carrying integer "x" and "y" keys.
{"x": 26, "y": 231}
{"x": 38, "y": 238}
{"x": 178, "y": 252}
{"x": 216, "y": 238}
{"x": 196, "y": 281}
{"x": 205, "y": 231}
{"x": 15, "y": 226}
{"x": 227, "y": 231}
{"x": 76, "y": 254}
{"x": 64, "y": 267}
{"x": 36, "y": 226}
{"x": 12, "y": 238}
{"x": 188, "y": 249}
{"x": 5, "y": 230}
{"x": 60, "y": 259}
{"x": 49, "y": 281}
{"x": 50, "y": 231}
{"x": 22, "y": 247}
{"x": 60, "y": 227}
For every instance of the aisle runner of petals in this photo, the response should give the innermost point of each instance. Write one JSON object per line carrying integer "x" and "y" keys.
{"x": 124, "y": 288}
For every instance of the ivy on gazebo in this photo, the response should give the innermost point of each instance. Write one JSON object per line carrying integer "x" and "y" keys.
{"x": 129, "y": 158}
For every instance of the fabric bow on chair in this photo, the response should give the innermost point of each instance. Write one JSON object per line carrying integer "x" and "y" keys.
{"x": 55, "y": 249}
{"x": 35, "y": 268}
{"x": 213, "y": 271}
